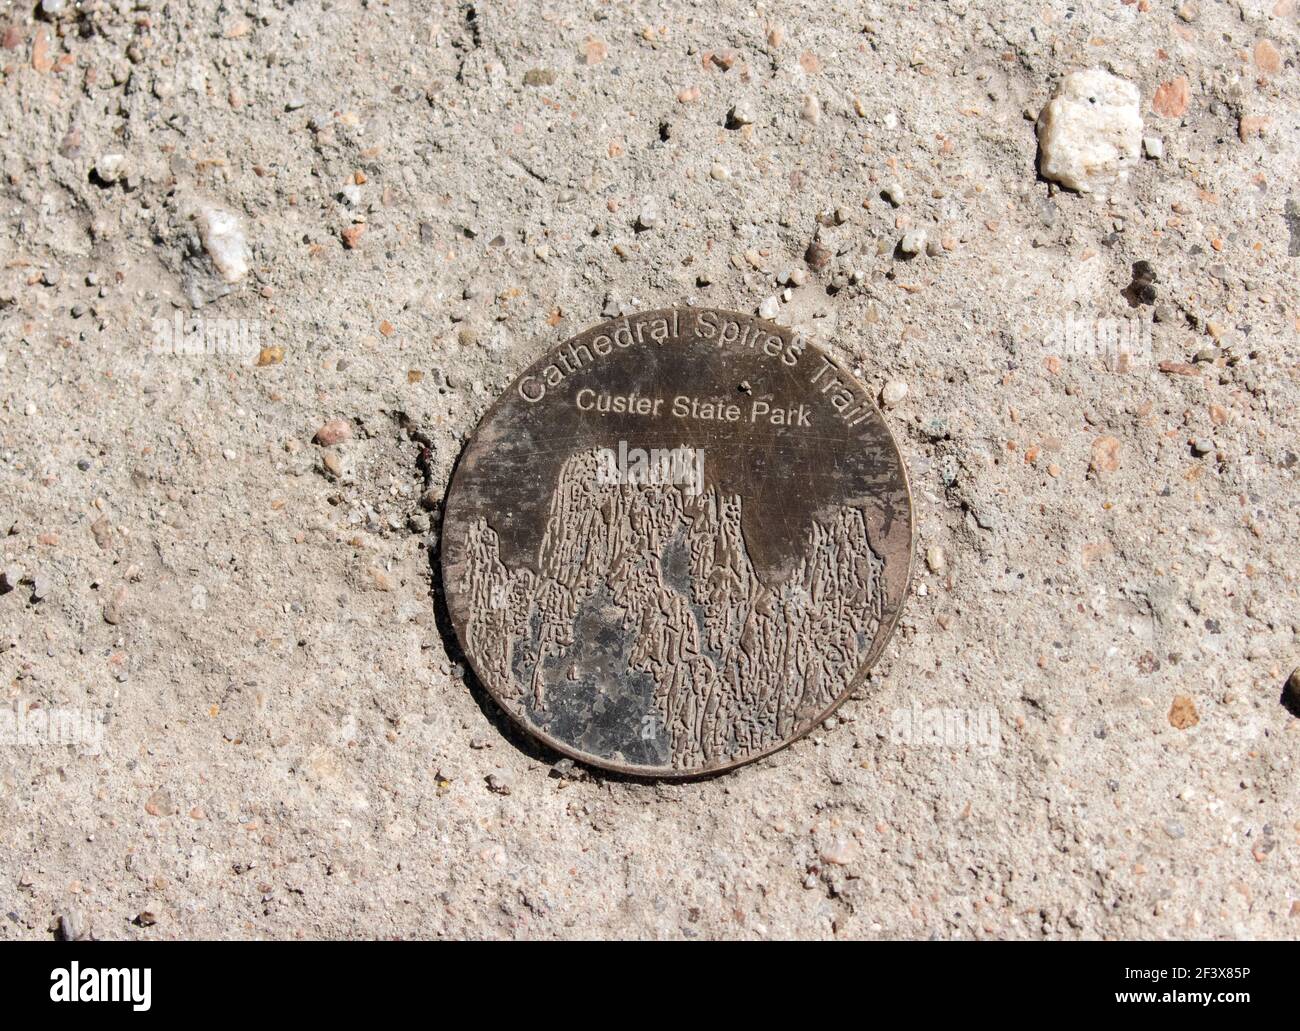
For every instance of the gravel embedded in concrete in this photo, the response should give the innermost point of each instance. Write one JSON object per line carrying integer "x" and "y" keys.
{"x": 1082, "y": 727}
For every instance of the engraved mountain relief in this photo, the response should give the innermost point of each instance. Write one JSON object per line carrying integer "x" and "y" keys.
{"x": 650, "y": 588}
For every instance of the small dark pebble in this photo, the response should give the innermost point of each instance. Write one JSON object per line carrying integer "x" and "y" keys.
{"x": 1142, "y": 289}
{"x": 818, "y": 256}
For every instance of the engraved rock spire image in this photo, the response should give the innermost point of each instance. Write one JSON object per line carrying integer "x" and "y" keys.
{"x": 735, "y": 664}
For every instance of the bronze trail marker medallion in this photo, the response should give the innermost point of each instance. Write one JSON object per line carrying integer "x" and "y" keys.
{"x": 677, "y": 542}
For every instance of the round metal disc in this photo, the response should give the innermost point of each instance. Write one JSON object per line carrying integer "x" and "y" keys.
{"x": 677, "y": 542}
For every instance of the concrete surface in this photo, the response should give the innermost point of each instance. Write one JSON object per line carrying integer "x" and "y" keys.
{"x": 1081, "y": 728}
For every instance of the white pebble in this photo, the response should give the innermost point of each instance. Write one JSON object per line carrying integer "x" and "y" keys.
{"x": 223, "y": 239}
{"x": 769, "y": 308}
{"x": 1153, "y": 147}
{"x": 742, "y": 113}
{"x": 894, "y": 392}
{"x": 1090, "y": 130}
{"x": 110, "y": 167}
{"x": 936, "y": 559}
{"x": 913, "y": 242}
{"x": 811, "y": 110}
{"x": 719, "y": 172}
{"x": 649, "y": 215}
